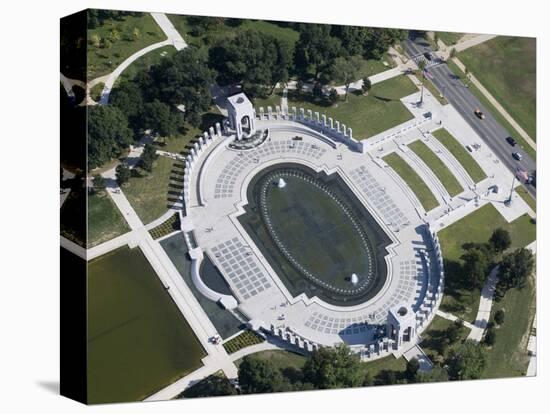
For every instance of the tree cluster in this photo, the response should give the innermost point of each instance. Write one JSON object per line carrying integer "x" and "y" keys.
{"x": 514, "y": 271}
{"x": 253, "y": 59}
{"x": 108, "y": 134}
{"x": 320, "y": 44}
{"x": 96, "y": 17}
{"x": 150, "y": 101}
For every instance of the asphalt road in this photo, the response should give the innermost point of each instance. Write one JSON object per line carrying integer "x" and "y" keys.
{"x": 458, "y": 95}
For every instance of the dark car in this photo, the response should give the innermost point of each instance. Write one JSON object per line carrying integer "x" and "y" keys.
{"x": 428, "y": 55}
{"x": 479, "y": 114}
{"x": 511, "y": 141}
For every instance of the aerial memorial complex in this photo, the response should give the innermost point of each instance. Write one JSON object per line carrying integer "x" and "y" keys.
{"x": 365, "y": 206}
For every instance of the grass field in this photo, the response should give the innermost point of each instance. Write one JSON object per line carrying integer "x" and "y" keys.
{"x": 124, "y": 43}
{"x": 449, "y": 38}
{"x": 368, "y": 67}
{"x": 434, "y": 338}
{"x": 145, "y": 62}
{"x": 523, "y": 193}
{"x": 506, "y": 66}
{"x": 104, "y": 220}
{"x": 138, "y": 341}
{"x": 443, "y": 173}
{"x": 491, "y": 108}
{"x": 367, "y": 115}
{"x": 148, "y": 194}
{"x": 179, "y": 142}
{"x": 224, "y": 31}
{"x": 413, "y": 180}
{"x": 475, "y": 228}
{"x": 280, "y": 359}
{"x": 389, "y": 363}
{"x": 461, "y": 154}
{"x": 508, "y": 356}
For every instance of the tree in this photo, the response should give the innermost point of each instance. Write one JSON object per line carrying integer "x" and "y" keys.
{"x": 95, "y": 40}
{"x": 347, "y": 69}
{"x": 317, "y": 90}
{"x": 99, "y": 182}
{"x": 422, "y": 67}
{"x": 123, "y": 173}
{"x": 256, "y": 60}
{"x": 515, "y": 268}
{"x": 212, "y": 386}
{"x": 499, "y": 316}
{"x": 475, "y": 266}
{"x": 412, "y": 368}
{"x": 148, "y": 157}
{"x": 452, "y": 333}
{"x": 333, "y": 96}
{"x": 129, "y": 99}
{"x": 259, "y": 376}
{"x": 316, "y": 48}
{"x": 183, "y": 79}
{"x": 436, "y": 374}
{"x": 334, "y": 368}
{"x": 160, "y": 118}
{"x": 367, "y": 85}
{"x": 466, "y": 360}
{"x": 108, "y": 134}
{"x": 136, "y": 34}
{"x": 490, "y": 336}
{"x": 500, "y": 240}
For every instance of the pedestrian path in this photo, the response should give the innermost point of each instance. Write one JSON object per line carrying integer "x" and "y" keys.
{"x": 485, "y": 305}
{"x": 453, "y": 318}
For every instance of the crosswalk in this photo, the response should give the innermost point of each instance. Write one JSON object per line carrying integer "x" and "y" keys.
{"x": 429, "y": 63}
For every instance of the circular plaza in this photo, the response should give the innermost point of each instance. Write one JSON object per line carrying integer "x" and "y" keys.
{"x": 315, "y": 244}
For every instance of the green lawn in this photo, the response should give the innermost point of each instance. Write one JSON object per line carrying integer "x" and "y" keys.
{"x": 104, "y": 220}
{"x": 367, "y": 115}
{"x": 138, "y": 340}
{"x": 145, "y": 62}
{"x": 475, "y": 228}
{"x": 461, "y": 154}
{"x": 389, "y": 363}
{"x": 413, "y": 180}
{"x": 148, "y": 194}
{"x": 178, "y": 143}
{"x": 280, "y": 359}
{"x": 506, "y": 66}
{"x": 508, "y": 356}
{"x": 491, "y": 108}
{"x": 368, "y": 67}
{"x": 439, "y": 168}
{"x": 434, "y": 338}
{"x": 449, "y": 38}
{"x": 102, "y": 61}
{"x": 224, "y": 31}
{"x": 523, "y": 193}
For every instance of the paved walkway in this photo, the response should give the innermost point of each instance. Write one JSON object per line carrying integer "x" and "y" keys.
{"x": 451, "y": 317}
{"x": 425, "y": 364}
{"x": 485, "y": 305}
{"x": 173, "y": 38}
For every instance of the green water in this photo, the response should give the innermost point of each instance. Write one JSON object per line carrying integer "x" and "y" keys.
{"x": 138, "y": 341}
